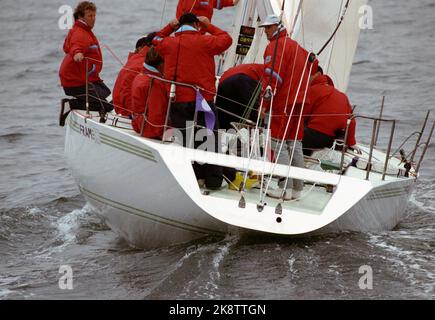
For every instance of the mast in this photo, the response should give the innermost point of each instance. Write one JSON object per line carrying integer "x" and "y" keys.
{"x": 246, "y": 15}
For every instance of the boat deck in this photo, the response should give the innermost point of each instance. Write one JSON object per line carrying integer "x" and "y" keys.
{"x": 313, "y": 199}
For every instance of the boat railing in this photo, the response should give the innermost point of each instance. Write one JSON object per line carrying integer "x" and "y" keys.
{"x": 426, "y": 146}
{"x": 377, "y": 121}
{"x": 373, "y": 142}
{"x": 419, "y": 134}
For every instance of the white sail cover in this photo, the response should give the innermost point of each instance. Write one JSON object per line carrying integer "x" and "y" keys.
{"x": 310, "y": 23}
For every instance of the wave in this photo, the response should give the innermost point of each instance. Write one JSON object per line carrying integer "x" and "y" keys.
{"x": 12, "y": 137}
{"x": 361, "y": 62}
{"x": 68, "y": 225}
{"x": 407, "y": 257}
{"x": 202, "y": 260}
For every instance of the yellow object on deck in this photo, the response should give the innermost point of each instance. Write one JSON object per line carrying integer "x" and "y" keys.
{"x": 250, "y": 182}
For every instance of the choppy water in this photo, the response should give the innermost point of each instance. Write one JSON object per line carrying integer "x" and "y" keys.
{"x": 45, "y": 223}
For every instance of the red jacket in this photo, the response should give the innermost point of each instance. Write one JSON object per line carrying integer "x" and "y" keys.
{"x": 189, "y": 58}
{"x": 122, "y": 89}
{"x": 254, "y": 71}
{"x": 325, "y": 99}
{"x": 290, "y": 67}
{"x": 80, "y": 39}
{"x": 157, "y": 104}
{"x": 201, "y": 7}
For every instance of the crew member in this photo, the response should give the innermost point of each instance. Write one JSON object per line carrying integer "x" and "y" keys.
{"x": 122, "y": 89}
{"x": 287, "y": 68}
{"x": 189, "y": 59}
{"x": 149, "y": 97}
{"x": 81, "y": 44}
{"x": 327, "y": 115}
{"x": 236, "y": 91}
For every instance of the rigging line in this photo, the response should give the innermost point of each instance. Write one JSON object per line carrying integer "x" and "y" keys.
{"x": 252, "y": 102}
{"x": 288, "y": 96}
{"x": 268, "y": 136}
{"x": 291, "y": 79}
{"x": 336, "y": 29}
{"x": 268, "y": 87}
{"x": 328, "y": 63}
{"x": 296, "y": 17}
{"x": 280, "y": 29}
{"x": 280, "y": 25}
{"x": 288, "y": 120}
{"x": 287, "y": 126}
{"x": 294, "y": 60}
{"x": 236, "y": 116}
{"x": 145, "y": 111}
{"x": 175, "y": 82}
{"x": 256, "y": 130}
{"x": 163, "y": 14}
{"x": 282, "y": 59}
{"x": 112, "y": 53}
{"x": 244, "y": 118}
{"x": 193, "y": 6}
{"x": 295, "y": 141}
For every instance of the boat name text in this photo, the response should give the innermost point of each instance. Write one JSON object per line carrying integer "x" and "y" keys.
{"x": 89, "y": 133}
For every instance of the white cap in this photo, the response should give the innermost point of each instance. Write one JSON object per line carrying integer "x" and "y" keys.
{"x": 270, "y": 20}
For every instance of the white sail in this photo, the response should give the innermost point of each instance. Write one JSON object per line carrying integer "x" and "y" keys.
{"x": 311, "y": 23}
{"x": 318, "y": 20}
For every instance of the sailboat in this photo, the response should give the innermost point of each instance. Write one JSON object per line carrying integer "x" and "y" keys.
{"x": 146, "y": 189}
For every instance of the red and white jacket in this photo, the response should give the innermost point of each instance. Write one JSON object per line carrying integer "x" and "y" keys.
{"x": 289, "y": 78}
{"x": 327, "y": 100}
{"x": 189, "y": 58}
{"x": 80, "y": 39}
{"x": 156, "y": 103}
{"x": 201, "y": 7}
{"x": 122, "y": 90}
{"x": 254, "y": 71}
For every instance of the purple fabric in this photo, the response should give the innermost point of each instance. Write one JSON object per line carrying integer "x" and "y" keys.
{"x": 202, "y": 105}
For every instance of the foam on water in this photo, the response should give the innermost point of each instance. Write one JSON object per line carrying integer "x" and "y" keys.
{"x": 68, "y": 225}
{"x": 411, "y": 264}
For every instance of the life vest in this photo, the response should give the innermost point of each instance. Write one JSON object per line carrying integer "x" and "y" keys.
{"x": 327, "y": 100}
{"x": 122, "y": 90}
{"x": 189, "y": 58}
{"x": 80, "y": 39}
{"x": 155, "y": 104}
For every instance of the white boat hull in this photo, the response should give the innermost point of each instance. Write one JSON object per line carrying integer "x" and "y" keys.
{"x": 147, "y": 192}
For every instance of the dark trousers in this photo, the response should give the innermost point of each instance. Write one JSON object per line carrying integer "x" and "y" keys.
{"x": 315, "y": 140}
{"x": 239, "y": 88}
{"x": 183, "y": 112}
{"x": 98, "y": 92}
